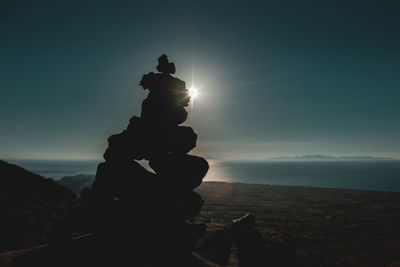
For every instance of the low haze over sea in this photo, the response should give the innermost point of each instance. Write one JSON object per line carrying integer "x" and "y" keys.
{"x": 370, "y": 174}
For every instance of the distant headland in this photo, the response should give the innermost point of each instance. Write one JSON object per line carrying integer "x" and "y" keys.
{"x": 326, "y": 157}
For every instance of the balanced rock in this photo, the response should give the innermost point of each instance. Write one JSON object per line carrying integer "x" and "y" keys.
{"x": 124, "y": 189}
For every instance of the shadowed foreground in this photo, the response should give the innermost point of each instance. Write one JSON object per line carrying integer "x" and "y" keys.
{"x": 330, "y": 227}
{"x": 321, "y": 227}
{"x": 220, "y": 245}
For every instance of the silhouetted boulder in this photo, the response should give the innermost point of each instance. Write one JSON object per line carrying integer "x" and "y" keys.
{"x": 165, "y": 66}
{"x": 230, "y": 245}
{"x": 143, "y": 140}
{"x": 184, "y": 172}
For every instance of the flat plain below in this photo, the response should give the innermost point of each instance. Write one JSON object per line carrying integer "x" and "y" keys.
{"x": 330, "y": 227}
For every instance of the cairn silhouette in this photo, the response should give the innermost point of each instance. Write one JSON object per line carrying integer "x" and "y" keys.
{"x": 126, "y": 195}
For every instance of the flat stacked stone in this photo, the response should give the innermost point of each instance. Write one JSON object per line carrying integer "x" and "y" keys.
{"x": 158, "y": 137}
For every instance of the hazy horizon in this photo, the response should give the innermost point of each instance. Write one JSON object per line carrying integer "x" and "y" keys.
{"x": 275, "y": 158}
{"x": 366, "y": 174}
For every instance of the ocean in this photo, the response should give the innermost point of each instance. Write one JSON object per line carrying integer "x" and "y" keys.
{"x": 366, "y": 175}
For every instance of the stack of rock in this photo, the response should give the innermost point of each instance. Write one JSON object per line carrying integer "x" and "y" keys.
{"x": 125, "y": 193}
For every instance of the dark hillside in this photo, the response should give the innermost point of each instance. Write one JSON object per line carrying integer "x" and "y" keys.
{"x": 29, "y": 206}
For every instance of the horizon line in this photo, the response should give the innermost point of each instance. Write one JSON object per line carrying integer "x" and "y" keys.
{"x": 275, "y": 158}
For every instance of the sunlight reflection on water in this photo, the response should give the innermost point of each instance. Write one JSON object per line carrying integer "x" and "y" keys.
{"x": 216, "y": 174}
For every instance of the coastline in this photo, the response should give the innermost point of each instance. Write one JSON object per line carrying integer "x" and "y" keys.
{"x": 364, "y": 175}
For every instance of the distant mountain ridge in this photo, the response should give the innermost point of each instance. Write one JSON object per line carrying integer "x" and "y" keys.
{"x": 326, "y": 157}
{"x": 78, "y": 182}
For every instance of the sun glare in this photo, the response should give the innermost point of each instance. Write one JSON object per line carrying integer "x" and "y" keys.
{"x": 193, "y": 92}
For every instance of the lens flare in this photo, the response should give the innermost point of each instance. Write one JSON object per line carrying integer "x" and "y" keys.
{"x": 193, "y": 93}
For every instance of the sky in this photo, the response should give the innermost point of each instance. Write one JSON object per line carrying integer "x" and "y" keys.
{"x": 275, "y": 78}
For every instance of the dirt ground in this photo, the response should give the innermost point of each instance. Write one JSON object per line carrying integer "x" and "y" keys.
{"x": 331, "y": 227}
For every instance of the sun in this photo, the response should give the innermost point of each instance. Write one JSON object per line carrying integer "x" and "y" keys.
{"x": 193, "y": 92}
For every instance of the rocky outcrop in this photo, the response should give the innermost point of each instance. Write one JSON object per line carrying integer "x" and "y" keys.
{"x": 128, "y": 197}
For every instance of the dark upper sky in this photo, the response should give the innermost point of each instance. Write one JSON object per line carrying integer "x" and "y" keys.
{"x": 274, "y": 77}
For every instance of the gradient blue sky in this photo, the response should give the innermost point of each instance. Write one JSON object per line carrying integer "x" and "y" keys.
{"x": 275, "y": 77}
